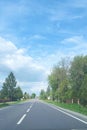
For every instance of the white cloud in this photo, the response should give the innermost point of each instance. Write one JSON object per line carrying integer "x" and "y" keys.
{"x": 33, "y": 87}
{"x": 73, "y": 40}
{"x": 25, "y": 68}
{"x": 32, "y": 74}
{"x": 6, "y": 46}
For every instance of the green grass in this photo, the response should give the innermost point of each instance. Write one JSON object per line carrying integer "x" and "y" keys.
{"x": 10, "y": 103}
{"x": 73, "y": 107}
{"x": 3, "y": 105}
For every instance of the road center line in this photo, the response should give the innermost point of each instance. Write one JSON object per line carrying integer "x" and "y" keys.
{"x": 68, "y": 114}
{"x": 22, "y": 118}
{"x": 30, "y": 106}
{"x": 28, "y": 110}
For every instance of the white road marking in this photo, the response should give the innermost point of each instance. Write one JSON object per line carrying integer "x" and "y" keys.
{"x": 22, "y": 118}
{"x": 54, "y": 107}
{"x": 28, "y": 110}
{"x": 30, "y": 106}
{"x": 69, "y": 114}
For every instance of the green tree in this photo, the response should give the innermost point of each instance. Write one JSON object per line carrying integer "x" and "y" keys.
{"x": 8, "y": 89}
{"x": 48, "y": 91}
{"x": 53, "y": 82}
{"x": 33, "y": 95}
{"x": 43, "y": 94}
{"x": 63, "y": 90}
{"x": 78, "y": 72}
{"x": 57, "y": 78}
{"x": 18, "y": 93}
{"x": 0, "y": 94}
{"x": 83, "y": 92}
{"x": 69, "y": 81}
{"x": 77, "y": 75}
{"x": 26, "y": 96}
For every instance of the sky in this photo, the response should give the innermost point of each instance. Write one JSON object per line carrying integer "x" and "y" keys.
{"x": 36, "y": 34}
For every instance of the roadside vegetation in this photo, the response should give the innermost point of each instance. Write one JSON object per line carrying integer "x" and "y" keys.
{"x": 3, "y": 105}
{"x": 73, "y": 107}
{"x": 68, "y": 84}
{"x": 11, "y": 93}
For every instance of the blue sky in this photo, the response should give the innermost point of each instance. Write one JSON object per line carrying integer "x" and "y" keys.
{"x": 36, "y": 34}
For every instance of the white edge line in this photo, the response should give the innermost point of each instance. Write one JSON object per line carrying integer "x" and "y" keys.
{"x": 22, "y": 118}
{"x": 69, "y": 115}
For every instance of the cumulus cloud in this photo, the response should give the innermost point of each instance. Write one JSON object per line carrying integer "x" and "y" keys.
{"x": 31, "y": 73}
{"x": 6, "y": 46}
{"x": 32, "y": 87}
{"x": 25, "y": 68}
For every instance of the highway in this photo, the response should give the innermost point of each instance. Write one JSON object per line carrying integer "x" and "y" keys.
{"x": 37, "y": 115}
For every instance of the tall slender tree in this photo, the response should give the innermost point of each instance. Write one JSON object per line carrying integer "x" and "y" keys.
{"x": 8, "y": 89}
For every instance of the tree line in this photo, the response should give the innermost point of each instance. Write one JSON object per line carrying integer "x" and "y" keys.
{"x": 68, "y": 81}
{"x": 10, "y": 91}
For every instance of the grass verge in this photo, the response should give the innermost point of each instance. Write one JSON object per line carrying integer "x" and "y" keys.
{"x": 73, "y": 107}
{"x": 3, "y": 105}
{"x": 10, "y": 103}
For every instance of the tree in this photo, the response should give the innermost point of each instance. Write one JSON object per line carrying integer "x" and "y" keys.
{"x": 0, "y": 94}
{"x": 26, "y": 95}
{"x": 8, "y": 89}
{"x": 18, "y": 94}
{"x": 33, "y": 95}
{"x": 43, "y": 94}
{"x": 63, "y": 90}
{"x": 77, "y": 75}
{"x": 57, "y": 78}
{"x": 69, "y": 81}
{"x": 53, "y": 83}
{"x": 83, "y": 93}
{"x": 48, "y": 91}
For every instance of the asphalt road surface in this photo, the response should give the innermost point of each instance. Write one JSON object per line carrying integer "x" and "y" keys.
{"x": 36, "y": 115}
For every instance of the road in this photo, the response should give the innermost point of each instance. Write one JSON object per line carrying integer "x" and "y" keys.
{"x": 36, "y": 115}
